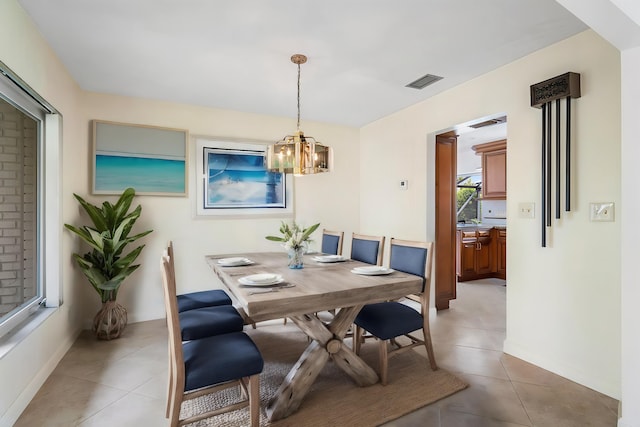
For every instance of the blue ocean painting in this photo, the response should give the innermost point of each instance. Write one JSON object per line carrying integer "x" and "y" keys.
{"x": 144, "y": 174}
{"x": 240, "y": 180}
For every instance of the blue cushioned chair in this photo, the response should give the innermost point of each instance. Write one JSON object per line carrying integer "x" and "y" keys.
{"x": 204, "y": 321}
{"x": 208, "y": 365}
{"x": 332, "y": 242}
{"x": 388, "y": 320}
{"x": 192, "y": 300}
{"x": 367, "y": 249}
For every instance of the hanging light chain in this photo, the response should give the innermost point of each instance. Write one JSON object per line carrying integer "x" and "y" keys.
{"x": 298, "y": 125}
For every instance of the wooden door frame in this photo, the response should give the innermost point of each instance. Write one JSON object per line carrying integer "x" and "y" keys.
{"x": 445, "y": 218}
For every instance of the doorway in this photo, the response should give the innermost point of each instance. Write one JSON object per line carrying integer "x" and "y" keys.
{"x": 458, "y": 165}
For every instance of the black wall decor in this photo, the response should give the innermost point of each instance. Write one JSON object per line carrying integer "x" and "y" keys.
{"x": 564, "y": 86}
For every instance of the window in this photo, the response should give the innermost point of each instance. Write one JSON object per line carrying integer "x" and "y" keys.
{"x": 468, "y": 198}
{"x": 26, "y": 164}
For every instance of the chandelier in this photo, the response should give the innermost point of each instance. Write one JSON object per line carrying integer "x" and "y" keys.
{"x": 297, "y": 153}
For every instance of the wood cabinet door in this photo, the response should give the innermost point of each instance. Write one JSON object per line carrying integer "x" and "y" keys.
{"x": 467, "y": 260}
{"x": 494, "y": 171}
{"x": 483, "y": 257}
{"x": 501, "y": 243}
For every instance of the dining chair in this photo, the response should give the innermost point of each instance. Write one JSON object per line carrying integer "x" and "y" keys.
{"x": 388, "y": 320}
{"x": 208, "y": 365}
{"x": 367, "y": 249}
{"x": 332, "y": 242}
{"x": 204, "y": 321}
{"x": 191, "y": 300}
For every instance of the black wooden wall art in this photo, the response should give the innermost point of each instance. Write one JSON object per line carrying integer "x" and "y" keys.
{"x": 543, "y": 95}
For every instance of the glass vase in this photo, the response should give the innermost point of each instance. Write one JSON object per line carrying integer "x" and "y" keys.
{"x": 296, "y": 256}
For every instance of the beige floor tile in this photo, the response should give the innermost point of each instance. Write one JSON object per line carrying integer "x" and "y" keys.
{"x": 487, "y": 398}
{"x": 566, "y": 406}
{"x": 470, "y": 360}
{"x": 133, "y": 410}
{"x": 525, "y": 372}
{"x": 64, "y": 401}
{"x": 460, "y": 419}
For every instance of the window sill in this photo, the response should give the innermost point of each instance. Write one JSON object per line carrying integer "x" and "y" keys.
{"x": 19, "y": 334}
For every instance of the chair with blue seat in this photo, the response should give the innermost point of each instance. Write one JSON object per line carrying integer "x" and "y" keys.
{"x": 208, "y": 365}
{"x": 200, "y": 299}
{"x": 332, "y": 242}
{"x": 204, "y": 321}
{"x": 367, "y": 249}
{"x": 389, "y": 320}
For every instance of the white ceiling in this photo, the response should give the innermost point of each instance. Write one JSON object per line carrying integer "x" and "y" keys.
{"x": 234, "y": 54}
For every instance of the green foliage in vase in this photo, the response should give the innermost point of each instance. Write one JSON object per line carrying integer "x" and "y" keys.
{"x": 105, "y": 266}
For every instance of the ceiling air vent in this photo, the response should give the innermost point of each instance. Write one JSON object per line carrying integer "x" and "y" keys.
{"x": 424, "y": 81}
{"x": 490, "y": 122}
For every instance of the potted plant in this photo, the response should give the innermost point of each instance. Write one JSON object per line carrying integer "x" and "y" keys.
{"x": 295, "y": 239}
{"x": 106, "y": 265}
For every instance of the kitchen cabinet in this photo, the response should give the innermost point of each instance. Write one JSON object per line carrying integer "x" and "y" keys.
{"x": 481, "y": 253}
{"x": 494, "y": 169}
{"x": 500, "y": 239}
{"x": 475, "y": 255}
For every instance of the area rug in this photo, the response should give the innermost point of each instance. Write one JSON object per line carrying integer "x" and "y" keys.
{"x": 334, "y": 399}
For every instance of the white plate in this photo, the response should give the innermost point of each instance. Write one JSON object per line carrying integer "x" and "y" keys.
{"x": 236, "y": 261}
{"x": 329, "y": 258}
{"x": 262, "y": 278}
{"x": 245, "y": 282}
{"x": 372, "y": 271}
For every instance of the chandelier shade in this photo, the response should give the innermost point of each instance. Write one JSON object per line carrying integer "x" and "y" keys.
{"x": 299, "y": 154}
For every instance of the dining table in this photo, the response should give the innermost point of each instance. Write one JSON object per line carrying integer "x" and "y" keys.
{"x": 303, "y": 293}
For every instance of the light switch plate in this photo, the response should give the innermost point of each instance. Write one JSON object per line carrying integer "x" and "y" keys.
{"x": 601, "y": 211}
{"x": 527, "y": 210}
{"x": 404, "y": 184}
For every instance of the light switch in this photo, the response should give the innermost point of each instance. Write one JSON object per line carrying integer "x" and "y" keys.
{"x": 601, "y": 211}
{"x": 404, "y": 184}
{"x": 527, "y": 210}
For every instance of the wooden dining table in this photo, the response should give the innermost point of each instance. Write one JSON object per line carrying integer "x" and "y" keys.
{"x": 317, "y": 287}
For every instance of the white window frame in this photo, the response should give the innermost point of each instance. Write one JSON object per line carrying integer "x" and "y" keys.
{"x": 21, "y": 96}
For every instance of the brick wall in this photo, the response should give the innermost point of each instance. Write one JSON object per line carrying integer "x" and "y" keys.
{"x": 18, "y": 180}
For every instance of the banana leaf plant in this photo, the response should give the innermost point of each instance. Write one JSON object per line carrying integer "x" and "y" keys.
{"x": 106, "y": 265}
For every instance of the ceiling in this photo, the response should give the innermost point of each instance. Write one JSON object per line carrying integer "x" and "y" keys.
{"x": 235, "y": 54}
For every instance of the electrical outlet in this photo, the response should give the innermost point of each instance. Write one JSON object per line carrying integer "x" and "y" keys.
{"x": 601, "y": 211}
{"x": 526, "y": 210}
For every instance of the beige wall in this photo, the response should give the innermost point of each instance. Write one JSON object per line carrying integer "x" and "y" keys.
{"x": 563, "y": 301}
{"x": 330, "y": 199}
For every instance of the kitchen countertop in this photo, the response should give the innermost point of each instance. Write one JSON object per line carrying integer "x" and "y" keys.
{"x": 480, "y": 226}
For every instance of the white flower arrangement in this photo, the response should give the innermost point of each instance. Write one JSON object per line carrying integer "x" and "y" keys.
{"x": 293, "y": 236}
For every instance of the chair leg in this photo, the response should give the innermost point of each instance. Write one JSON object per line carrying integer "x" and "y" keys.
{"x": 174, "y": 410}
{"x": 254, "y": 400}
{"x": 384, "y": 361}
{"x": 170, "y": 387}
{"x": 429, "y": 346}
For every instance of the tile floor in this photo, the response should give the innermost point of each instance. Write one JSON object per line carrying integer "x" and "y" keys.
{"x": 123, "y": 383}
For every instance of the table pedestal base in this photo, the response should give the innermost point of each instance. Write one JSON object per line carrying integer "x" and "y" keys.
{"x": 327, "y": 342}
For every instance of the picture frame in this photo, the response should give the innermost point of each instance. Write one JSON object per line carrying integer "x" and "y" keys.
{"x": 232, "y": 180}
{"x": 153, "y": 160}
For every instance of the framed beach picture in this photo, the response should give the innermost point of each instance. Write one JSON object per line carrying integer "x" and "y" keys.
{"x": 152, "y": 160}
{"x": 233, "y": 180}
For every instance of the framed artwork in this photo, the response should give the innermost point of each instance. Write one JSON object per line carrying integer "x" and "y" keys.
{"x": 152, "y": 160}
{"x": 233, "y": 180}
